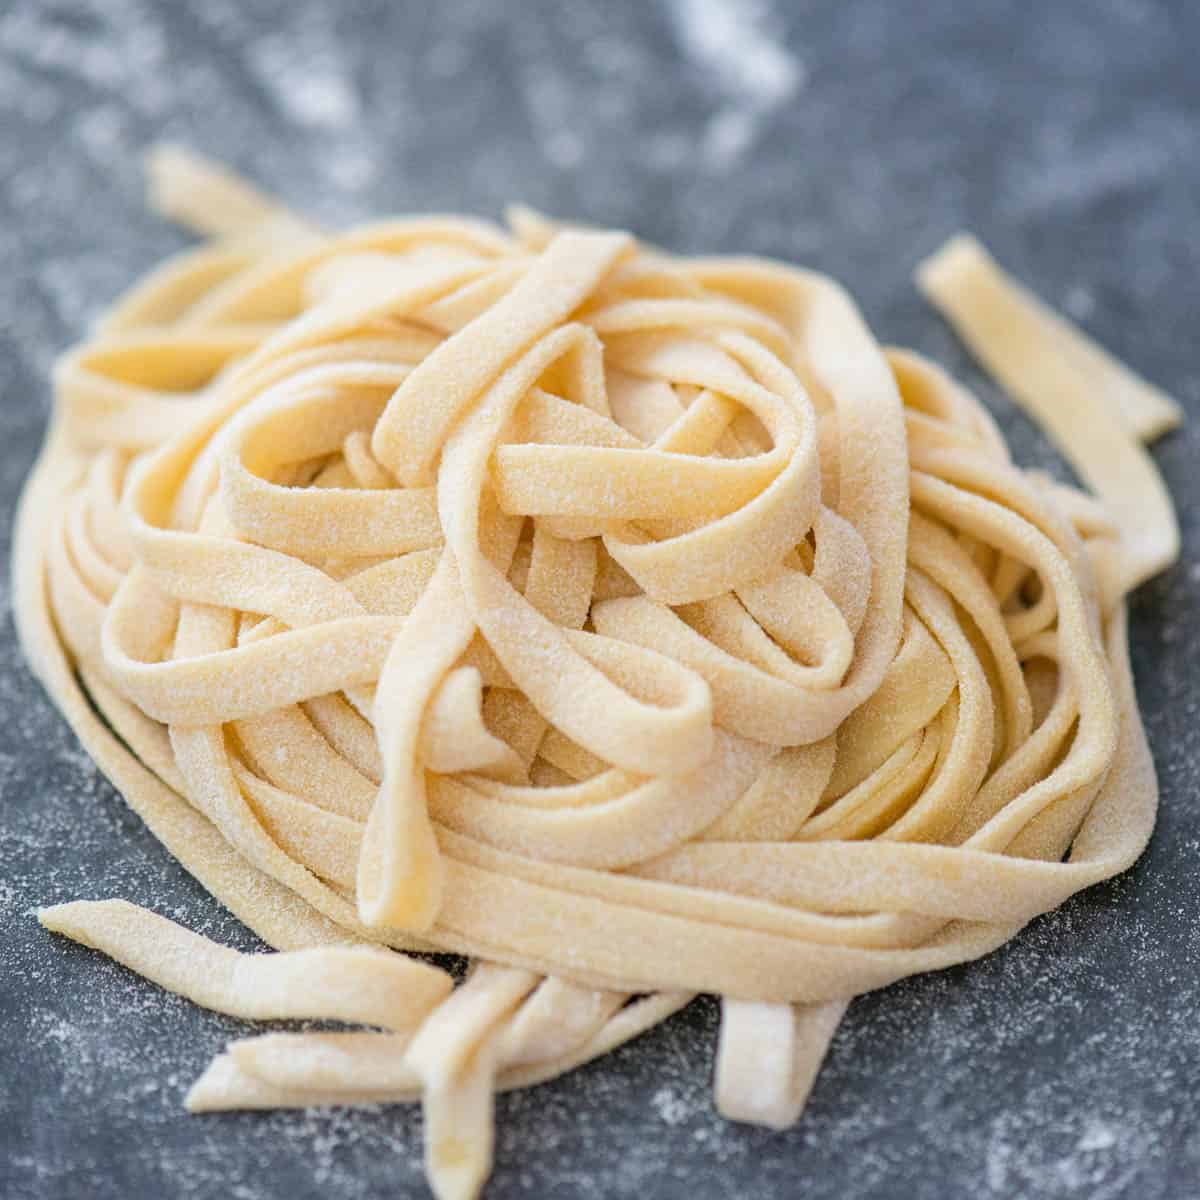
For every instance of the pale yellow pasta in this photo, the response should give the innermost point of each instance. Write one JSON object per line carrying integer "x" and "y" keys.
{"x": 634, "y": 626}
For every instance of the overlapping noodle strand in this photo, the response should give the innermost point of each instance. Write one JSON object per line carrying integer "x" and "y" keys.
{"x": 633, "y": 626}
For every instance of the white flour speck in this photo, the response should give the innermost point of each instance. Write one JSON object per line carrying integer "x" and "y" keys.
{"x": 1097, "y": 1136}
{"x": 351, "y": 167}
{"x": 311, "y": 88}
{"x": 100, "y": 131}
{"x": 1080, "y": 303}
{"x": 564, "y": 149}
{"x": 670, "y": 1106}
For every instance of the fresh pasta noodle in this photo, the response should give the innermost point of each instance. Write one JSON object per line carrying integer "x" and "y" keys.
{"x": 633, "y": 626}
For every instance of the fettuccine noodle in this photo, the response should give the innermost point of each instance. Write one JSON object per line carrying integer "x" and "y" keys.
{"x": 634, "y": 626}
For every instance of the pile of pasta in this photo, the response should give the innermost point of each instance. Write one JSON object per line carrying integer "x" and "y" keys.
{"x": 633, "y": 626}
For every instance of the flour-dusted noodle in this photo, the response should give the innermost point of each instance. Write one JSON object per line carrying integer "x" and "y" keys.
{"x": 1088, "y": 403}
{"x": 633, "y": 626}
{"x": 768, "y": 1058}
{"x": 356, "y": 984}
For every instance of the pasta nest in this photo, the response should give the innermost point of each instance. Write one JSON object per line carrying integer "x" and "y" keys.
{"x": 625, "y": 619}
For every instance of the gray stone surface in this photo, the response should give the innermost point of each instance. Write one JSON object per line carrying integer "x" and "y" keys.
{"x": 850, "y": 137}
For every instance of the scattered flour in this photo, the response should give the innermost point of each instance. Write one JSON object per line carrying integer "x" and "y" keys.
{"x": 113, "y": 46}
{"x": 670, "y": 1106}
{"x": 753, "y": 73}
{"x": 1097, "y": 1136}
{"x": 309, "y": 83}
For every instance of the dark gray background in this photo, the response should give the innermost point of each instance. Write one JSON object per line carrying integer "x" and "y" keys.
{"x": 850, "y": 137}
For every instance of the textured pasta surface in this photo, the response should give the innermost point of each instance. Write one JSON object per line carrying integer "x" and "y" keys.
{"x": 633, "y": 626}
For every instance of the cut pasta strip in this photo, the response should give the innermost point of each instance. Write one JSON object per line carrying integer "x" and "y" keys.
{"x": 309, "y": 1069}
{"x": 329, "y": 1062}
{"x": 201, "y": 194}
{"x": 454, "y": 1056}
{"x": 768, "y": 1058}
{"x": 1087, "y": 402}
{"x": 359, "y": 984}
